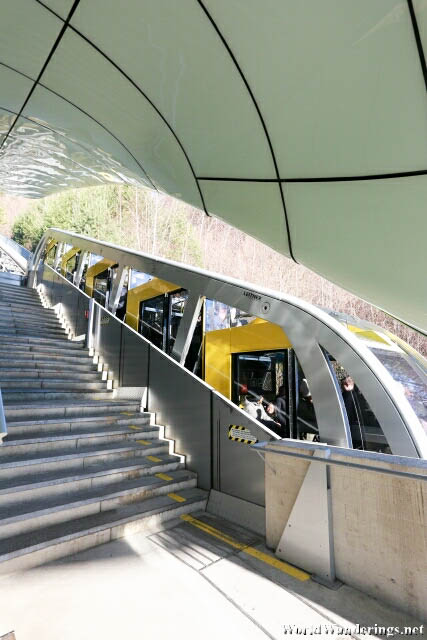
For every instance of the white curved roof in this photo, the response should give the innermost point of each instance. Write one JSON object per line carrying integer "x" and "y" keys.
{"x": 302, "y": 123}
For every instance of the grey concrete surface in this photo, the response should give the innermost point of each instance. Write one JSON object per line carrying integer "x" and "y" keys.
{"x": 179, "y": 583}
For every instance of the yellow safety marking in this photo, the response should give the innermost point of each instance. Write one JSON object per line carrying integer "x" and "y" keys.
{"x": 127, "y": 413}
{"x": 153, "y": 459}
{"x": 176, "y": 497}
{"x": 133, "y": 426}
{"x": 163, "y": 476}
{"x": 251, "y": 551}
{"x": 143, "y": 441}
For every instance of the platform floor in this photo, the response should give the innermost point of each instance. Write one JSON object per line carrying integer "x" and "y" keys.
{"x": 202, "y": 578}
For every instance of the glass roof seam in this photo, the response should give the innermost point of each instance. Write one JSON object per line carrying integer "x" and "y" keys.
{"x": 156, "y": 109}
{"x": 88, "y": 115}
{"x": 42, "y": 70}
{"x": 418, "y": 41}
{"x": 264, "y": 126}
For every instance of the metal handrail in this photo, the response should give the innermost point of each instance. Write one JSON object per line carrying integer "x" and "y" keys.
{"x": 264, "y": 447}
{"x": 3, "y": 425}
{"x": 299, "y": 320}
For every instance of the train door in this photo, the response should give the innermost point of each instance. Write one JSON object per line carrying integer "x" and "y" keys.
{"x": 262, "y": 379}
{"x": 160, "y": 317}
{"x": 102, "y": 285}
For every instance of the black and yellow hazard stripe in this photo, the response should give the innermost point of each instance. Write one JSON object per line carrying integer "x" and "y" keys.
{"x": 231, "y": 434}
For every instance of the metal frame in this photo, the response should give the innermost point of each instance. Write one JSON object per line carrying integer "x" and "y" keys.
{"x": 309, "y": 329}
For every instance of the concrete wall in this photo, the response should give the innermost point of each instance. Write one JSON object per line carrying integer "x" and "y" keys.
{"x": 379, "y": 522}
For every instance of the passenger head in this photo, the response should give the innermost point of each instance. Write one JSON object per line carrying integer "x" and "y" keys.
{"x": 270, "y": 408}
{"x": 348, "y": 384}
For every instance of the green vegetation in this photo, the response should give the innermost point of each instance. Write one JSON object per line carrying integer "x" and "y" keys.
{"x": 120, "y": 214}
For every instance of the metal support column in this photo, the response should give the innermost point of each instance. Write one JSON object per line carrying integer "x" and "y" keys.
{"x": 186, "y": 328}
{"x": 78, "y": 274}
{"x": 117, "y": 288}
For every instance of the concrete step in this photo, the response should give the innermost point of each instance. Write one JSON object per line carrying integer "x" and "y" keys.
{"x": 21, "y": 305}
{"x": 14, "y": 396}
{"x": 80, "y": 425}
{"x": 32, "y": 330}
{"x": 104, "y": 473}
{"x": 48, "y": 361}
{"x": 21, "y": 311}
{"x": 25, "y": 497}
{"x": 88, "y": 458}
{"x": 29, "y": 550}
{"x": 34, "y": 515}
{"x": 21, "y": 373}
{"x": 48, "y": 443}
{"x": 45, "y": 410}
{"x": 41, "y": 349}
{"x": 5, "y": 286}
{"x": 54, "y": 384}
{"x": 9, "y": 339}
{"x": 18, "y": 298}
{"x": 42, "y": 318}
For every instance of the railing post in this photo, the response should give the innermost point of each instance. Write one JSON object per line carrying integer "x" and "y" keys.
{"x": 90, "y": 325}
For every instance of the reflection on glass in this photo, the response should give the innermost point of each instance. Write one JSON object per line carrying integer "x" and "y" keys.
{"x": 101, "y": 287}
{"x": 152, "y": 321}
{"x": 366, "y": 431}
{"x": 177, "y": 302}
{"x": 408, "y": 373}
{"x": 137, "y": 278}
{"x": 260, "y": 387}
{"x": 220, "y": 316}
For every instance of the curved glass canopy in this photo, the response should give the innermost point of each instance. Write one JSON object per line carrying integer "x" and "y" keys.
{"x": 302, "y": 123}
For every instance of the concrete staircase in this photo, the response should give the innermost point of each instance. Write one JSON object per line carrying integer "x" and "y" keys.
{"x": 78, "y": 467}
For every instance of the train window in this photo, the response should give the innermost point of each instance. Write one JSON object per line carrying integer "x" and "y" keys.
{"x": 408, "y": 373}
{"x": 71, "y": 267}
{"x": 152, "y": 320}
{"x": 136, "y": 278}
{"x": 306, "y": 422}
{"x": 177, "y": 302}
{"x": 102, "y": 287}
{"x": 50, "y": 256}
{"x": 220, "y": 316}
{"x": 259, "y": 379}
{"x": 365, "y": 429}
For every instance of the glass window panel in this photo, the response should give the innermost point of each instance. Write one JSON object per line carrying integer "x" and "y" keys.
{"x": 61, "y": 7}
{"x": 192, "y": 80}
{"x": 152, "y": 321}
{"x": 259, "y": 380}
{"x": 177, "y": 302}
{"x": 218, "y": 315}
{"x": 97, "y": 148}
{"x": 366, "y": 431}
{"x": 339, "y": 84}
{"x": 102, "y": 91}
{"x": 137, "y": 278}
{"x": 412, "y": 380}
{"x": 367, "y": 237}
{"x": 15, "y": 89}
{"x": 244, "y": 205}
{"x": 28, "y": 33}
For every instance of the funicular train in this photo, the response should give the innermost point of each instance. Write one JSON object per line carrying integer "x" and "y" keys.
{"x": 249, "y": 359}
